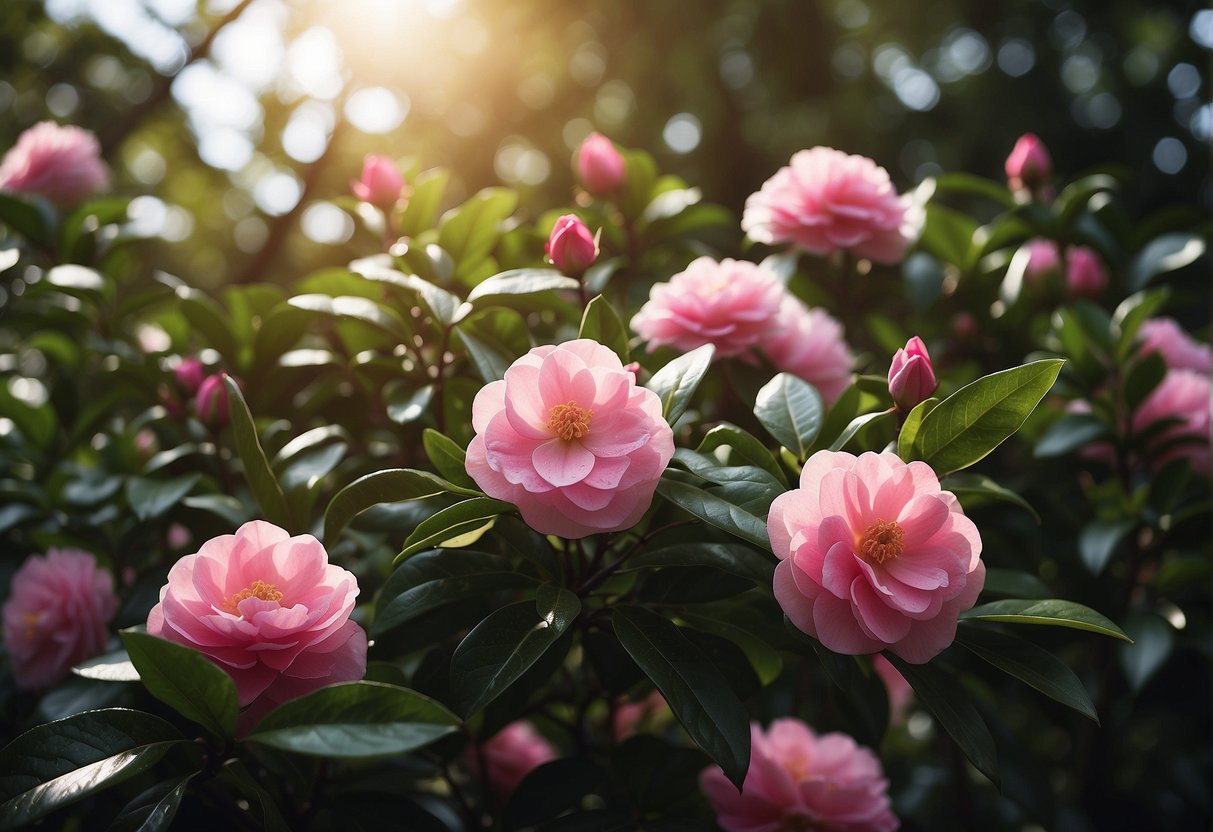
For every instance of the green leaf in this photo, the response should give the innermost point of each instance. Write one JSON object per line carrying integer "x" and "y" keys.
{"x": 77, "y": 280}
{"x": 1129, "y": 315}
{"x": 355, "y": 720}
{"x": 551, "y": 789}
{"x": 857, "y": 691}
{"x": 964, "y": 183}
{"x": 108, "y": 667}
{"x": 980, "y": 487}
{"x": 1153, "y": 641}
{"x": 503, "y": 646}
{"x": 745, "y": 447}
{"x": 150, "y": 498}
{"x": 791, "y": 411}
{"x": 60, "y": 762}
{"x": 966, "y": 426}
{"x": 948, "y": 234}
{"x": 210, "y": 319}
{"x": 1014, "y": 584}
{"x": 727, "y": 557}
{"x": 433, "y": 579}
{"x": 405, "y": 404}
{"x": 185, "y": 680}
{"x": 720, "y": 513}
{"x": 765, "y": 659}
{"x": 422, "y": 210}
{"x": 1032, "y": 665}
{"x": 469, "y": 233}
{"x": 447, "y": 456}
{"x": 257, "y": 471}
{"x": 952, "y": 707}
{"x": 455, "y": 526}
{"x": 393, "y": 485}
{"x": 1099, "y": 539}
{"x": 153, "y": 810}
{"x": 1051, "y": 611}
{"x": 1069, "y": 433}
{"x": 856, "y": 425}
{"x": 499, "y": 288}
{"x": 911, "y": 426}
{"x": 1144, "y": 375}
{"x": 1167, "y": 253}
{"x": 695, "y": 689}
{"x": 675, "y": 383}
{"x": 34, "y": 219}
{"x": 489, "y": 359}
{"x": 359, "y": 309}
{"x": 602, "y": 323}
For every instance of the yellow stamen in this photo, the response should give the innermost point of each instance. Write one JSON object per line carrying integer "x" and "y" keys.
{"x": 570, "y": 420}
{"x": 882, "y": 541}
{"x": 257, "y": 589}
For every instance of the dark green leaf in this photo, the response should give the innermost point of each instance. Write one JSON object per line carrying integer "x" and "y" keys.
{"x": 1130, "y": 314}
{"x": 392, "y": 485}
{"x": 1144, "y": 375}
{"x": 257, "y": 471}
{"x": 948, "y": 235}
{"x": 911, "y": 426}
{"x": 676, "y": 382}
{"x": 1030, "y": 664}
{"x": 966, "y": 426}
{"x": 1167, "y": 253}
{"x": 490, "y": 359}
{"x": 727, "y": 557}
{"x": 602, "y": 323}
{"x": 364, "y": 310}
{"x": 696, "y": 691}
{"x": 154, "y": 809}
{"x": 353, "y": 720}
{"x": 34, "y": 219}
{"x": 150, "y": 498}
{"x": 1051, "y": 611}
{"x": 210, "y": 319}
{"x": 964, "y": 183}
{"x": 1069, "y": 433}
{"x": 406, "y": 404}
{"x": 720, "y": 513}
{"x": 856, "y": 425}
{"x": 1153, "y": 640}
{"x": 766, "y": 661}
{"x": 455, "y": 526}
{"x": 185, "y": 680}
{"x": 447, "y": 456}
{"x": 1014, "y": 584}
{"x": 745, "y": 447}
{"x": 551, "y": 789}
{"x": 977, "y": 487}
{"x": 470, "y": 231}
{"x": 857, "y": 691}
{"x": 503, "y": 646}
{"x": 791, "y": 411}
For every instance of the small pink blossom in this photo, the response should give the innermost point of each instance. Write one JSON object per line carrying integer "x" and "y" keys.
{"x": 381, "y": 183}
{"x": 799, "y": 780}
{"x": 569, "y": 438}
{"x": 731, "y": 303}
{"x": 809, "y": 344}
{"x": 211, "y": 402}
{"x": 1044, "y": 260}
{"x": 1085, "y": 274}
{"x": 826, "y": 201}
{"x": 1029, "y": 167}
{"x": 874, "y": 555}
{"x": 189, "y": 374}
{"x": 1181, "y": 352}
{"x": 269, "y": 609}
{"x": 911, "y": 376}
{"x": 895, "y": 685}
{"x": 513, "y": 753}
{"x": 600, "y": 167}
{"x": 61, "y": 163}
{"x": 571, "y": 247}
{"x": 1182, "y": 395}
{"x": 630, "y": 717}
{"x": 56, "y": 615}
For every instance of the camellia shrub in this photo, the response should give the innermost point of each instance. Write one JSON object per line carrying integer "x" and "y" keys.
{"x": 600, "y": 517}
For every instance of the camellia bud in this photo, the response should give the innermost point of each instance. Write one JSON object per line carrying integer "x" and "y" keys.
{"x": 1085, "y": 275}
{"x": 210, "y": 404}
{"x": 189, "y": 374}
{"x": 381, "y": 183}
{"x": 1029, "y": 167}
{"x": 600, "y": 167}
{"x": 571, "y": 247}
{"x": 911, "y": 376}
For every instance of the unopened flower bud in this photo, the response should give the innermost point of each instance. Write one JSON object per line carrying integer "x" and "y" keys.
{"x": 571, "y": 247}
{"x": 1029, "y": 167}
{"x": 381, "y": 183}
{"x": 211, "y": 403}
{"x": 189, "y": 374}
{"x": 911, "y": 376}
{"x": 600, "y": 167}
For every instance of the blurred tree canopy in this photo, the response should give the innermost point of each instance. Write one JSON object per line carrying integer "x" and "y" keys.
{"x": 243, "y": 119}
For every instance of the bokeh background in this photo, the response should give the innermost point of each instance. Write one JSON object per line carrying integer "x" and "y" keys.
{"x": 242, "y": 121}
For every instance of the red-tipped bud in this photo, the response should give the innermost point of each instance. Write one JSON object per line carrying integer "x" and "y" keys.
{"x": 911, "y": 376}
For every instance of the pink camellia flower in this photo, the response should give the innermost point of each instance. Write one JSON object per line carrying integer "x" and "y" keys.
{"x": 911, "y": 376}
{"x": 600, "y": 167}
{"x": 1085, "y": 275}
{"x": 56, "y": 615}
{"x": 826, "y": 201}
{"x": 1029, "y": 167}
{"x": 899, "y": 690}
{"x": 874, "y": 555}
{"x": 211, "y": 403}
{"x": 732, "y": 304}
{"x": 571, "y": 247}
{"x": 569, "y": 438}
{"x": 809, "y": 343}
{"x": 381, "y": 183}
{"x": 269, "y": 609}
{"x": 513, "y": 753}
{"x": 61, "y": 163}
{"x": 189, "y": 374}
{"x": 1178, "y": 349}
{"x": 632, "y": 716}
{"x": 799, "y": 780}
{"x": 1043, "y": 260}
{"x": 1182, "y": 395}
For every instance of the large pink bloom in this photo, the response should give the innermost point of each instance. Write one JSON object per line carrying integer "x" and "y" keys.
{"x": 269, "y": 609}
{"x": 874, "y": 555}
{"x": 809, "y": 343}
{"x": 800, "y": 781}
{"x": 56, "y": 615}
{"x": 569, "y": 438}
{"x": 62, "y": 164}
{"x": 1182, "y": 395}
{"x": 731, "y": 303}
{"x": 826, "y": 201}
{"x": 1181, "y": 352}
{"x": 512, "y": 753}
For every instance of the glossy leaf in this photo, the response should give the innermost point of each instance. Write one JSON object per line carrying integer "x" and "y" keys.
{"x": 1069, "y": 433}
{"x": 359, "y": 309}
{"x": 448, "y": 456}
{"x": 856, "y": 425}
{"x": 1014, "y": 584}
{"x": 978, "y": 487}
{"x": 1153, "y": 641}
{"x": 695, "y": 689}
{"x": 600, "y": 322}
{"x": 1050, "y": 611}
{"x": 455, "y": 526}
{"x": 185, "y": 680}
{"x": 1099, "y": 539}
{"x": 720, "y": 513}
{"x": 108, "y": 667}
{"x": 503, "y": 646}
{"x": 257, "y": 472}
{"x": 469, "y": 233}
{"x": 150, "y": 498}
{"x": 791, "y": 410}
{"x": 676, "y": 382}
{"x": 733, "y": 558}
{"x": 154, "y": 809}
{"x": 745, "y": 448}
{"x": 355, "y": 720}
{"x": 392, "y": 485}
{"x": 1167, "y": 253}
{"x": 500, "y": 287}
{"x": 911, "y": 426}
{"x": 766, "y": 661}
{"x": 1030, "y": 664}
{"x": 33, "y": 219}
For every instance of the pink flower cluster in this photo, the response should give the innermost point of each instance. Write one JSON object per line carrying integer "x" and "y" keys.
{"x": 874, "y": 555}
{"x": 269, "y": 609}
{"x": 207, "y": 393}
{"x": 744, "y": 310}
{"x": 61, "y": 163}
{"x": 799, "y": 780}
{"x": 56, "y": 615}
{"x": 826, "y": 201}
{"x": 569, "y": 438}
